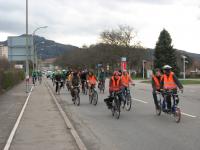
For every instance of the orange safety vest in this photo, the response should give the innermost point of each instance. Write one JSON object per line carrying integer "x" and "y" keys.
{"x": 92, "y": 79}
{"x": 115, "y": 84}
{"x": 125, "y": 80}
{"x": 169, "y": 82}
{"x": 157, "y": 82}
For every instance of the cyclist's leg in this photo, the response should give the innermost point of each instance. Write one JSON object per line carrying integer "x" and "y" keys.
{"x": 57, "y": 84}
{"x": 176, "y": 97}
{"x": 155, "y": 99}
{"x": 168, "y": 98}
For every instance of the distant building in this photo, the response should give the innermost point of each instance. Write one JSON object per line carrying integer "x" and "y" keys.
{"x": 3, "y": 51}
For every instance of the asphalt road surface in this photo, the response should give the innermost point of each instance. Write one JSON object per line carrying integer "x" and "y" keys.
{"x": 139, "y": 129}
{"x": 42, "y": 126}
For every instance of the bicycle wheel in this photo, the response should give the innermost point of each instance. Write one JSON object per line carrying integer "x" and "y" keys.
{"x": 159, "y": 110}
{"x": 177, "y": 115}
{"x": 128, "y": 102}
{"x": 95, "y": 98}
{"x": 90, "y": 99}
{"x": 77, "y": 101}
{"x": 117, "y": 109}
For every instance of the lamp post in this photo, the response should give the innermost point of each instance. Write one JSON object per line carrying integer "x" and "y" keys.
{"x": 184, "y": 62}
{"x": 36, "y": 55}
{"x": 143, "y": 63}
{"x": 34, "y": 50}
{"x": 27, "y": 50}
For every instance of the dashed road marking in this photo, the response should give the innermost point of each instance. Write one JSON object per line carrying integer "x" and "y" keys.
{"x": 185, "y": 114}
{"x": 135, "y": 99}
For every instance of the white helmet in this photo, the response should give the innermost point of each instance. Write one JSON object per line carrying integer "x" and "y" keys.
{"x": 165, "y": 67}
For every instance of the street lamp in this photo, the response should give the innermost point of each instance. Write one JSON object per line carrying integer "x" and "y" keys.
{"x": 27, "y": 50}
{"x": 35, "y": 54}
{"x": 184, "y": 61}
{"x": 34, "y": 50}
{"x": 143, "y": 63}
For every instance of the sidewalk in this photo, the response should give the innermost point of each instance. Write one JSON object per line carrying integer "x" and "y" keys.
{"x": 11, "y": 103}
{"x": 42, "y": 127}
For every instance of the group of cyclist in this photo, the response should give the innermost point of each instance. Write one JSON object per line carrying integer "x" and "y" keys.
{"x": 36, "y": 75}
{"x": 163, "y": 79}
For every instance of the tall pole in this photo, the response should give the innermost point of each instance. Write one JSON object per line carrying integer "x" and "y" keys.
{"x": 143, "y": 69}
{"x": 184, "y": 61}
{"x": 27, "y": 50}
{"x": 34, "y": 48}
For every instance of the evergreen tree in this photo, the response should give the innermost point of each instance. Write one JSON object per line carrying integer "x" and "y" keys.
{"x": 164, "y": 52}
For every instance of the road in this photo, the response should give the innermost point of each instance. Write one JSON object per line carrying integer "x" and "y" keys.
{"x": 42, "y": 126}
{"x": 139, "y": 129}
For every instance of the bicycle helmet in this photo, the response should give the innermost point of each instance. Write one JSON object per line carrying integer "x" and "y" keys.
{"x": 167, "y": 67}
{"x": 116, "y": 73}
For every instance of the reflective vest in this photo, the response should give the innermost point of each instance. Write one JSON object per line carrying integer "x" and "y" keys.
{"x": 125, "y": 80}
{"x": 115, "y": 84}
{"x": 156, "y": 81}
{"x": 169, "y": 82}
{"x": 92, "y": 79}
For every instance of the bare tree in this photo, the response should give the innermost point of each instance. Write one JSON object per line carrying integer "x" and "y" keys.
{"x": 121, "y": 36}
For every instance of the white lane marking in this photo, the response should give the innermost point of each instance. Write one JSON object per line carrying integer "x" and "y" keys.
{"x": 135, "y": 99}
{"x": 188, "y": 115}
{"x": 9, "y": 141}
{"x": 74, "y": 133}
{"x": 185, "y": 114}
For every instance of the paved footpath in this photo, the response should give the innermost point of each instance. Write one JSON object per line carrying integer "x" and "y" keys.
{"x": 11, "y": 104}
{"x": 42, "y": 126}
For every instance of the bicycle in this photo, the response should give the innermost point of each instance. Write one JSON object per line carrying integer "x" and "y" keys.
{"x": 116, "y": 104}
{"x": 58, "y": 87}
{"x": 68, "y": 85}
{"x": 162, "y": 104}
{"x": 128, "y": 99}
{"x": 101, "y": 86}
{"x": 84, "y": 87}
{"x": 76, "y": 98}
{"x": 93, "y": 96}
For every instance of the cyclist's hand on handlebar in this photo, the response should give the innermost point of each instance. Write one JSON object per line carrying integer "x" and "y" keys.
{"x": 162, "y": 90}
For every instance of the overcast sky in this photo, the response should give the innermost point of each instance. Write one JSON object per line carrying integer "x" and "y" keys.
{"x": 79, "y": 22}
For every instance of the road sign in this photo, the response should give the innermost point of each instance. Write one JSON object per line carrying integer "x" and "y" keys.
{"x": 17, "y": 48}
{"x": 123, "y": 64}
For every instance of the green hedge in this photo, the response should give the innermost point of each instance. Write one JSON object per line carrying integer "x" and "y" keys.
{"x": 10, "y": 78}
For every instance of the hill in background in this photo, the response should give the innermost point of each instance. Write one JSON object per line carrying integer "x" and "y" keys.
{"x": 48, "y": 48}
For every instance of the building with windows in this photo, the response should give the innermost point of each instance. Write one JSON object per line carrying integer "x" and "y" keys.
{"x": 3, "y": 51}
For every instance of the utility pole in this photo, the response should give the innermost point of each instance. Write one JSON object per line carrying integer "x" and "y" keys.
{"x": 143, "y": 63}
{"x": 184, "y": 62}
{"x": 27, "y": 50}
{"x": 34, "y": 48}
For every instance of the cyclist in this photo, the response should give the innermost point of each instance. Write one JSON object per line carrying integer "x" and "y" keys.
{"x": 57, "y": 79}
{"x": 40, "y": 76}
{"x": 114, "y": 86}
{"x": 92, "y": 80}
{"x": 125, "y": 81}
{"x": 83, "y": 77}
{"x": 75, "y": 82}
{"x": 170, "y": 82}
{"x": 102, "y": 77}
{"x": 69, "y": 79}
{"x": 63, "y": 78}
{"x": 34, "y": 77}
{"x": 155, "y": 82}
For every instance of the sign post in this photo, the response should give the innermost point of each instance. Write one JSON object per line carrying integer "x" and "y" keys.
{"x": 123, "y": 64}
